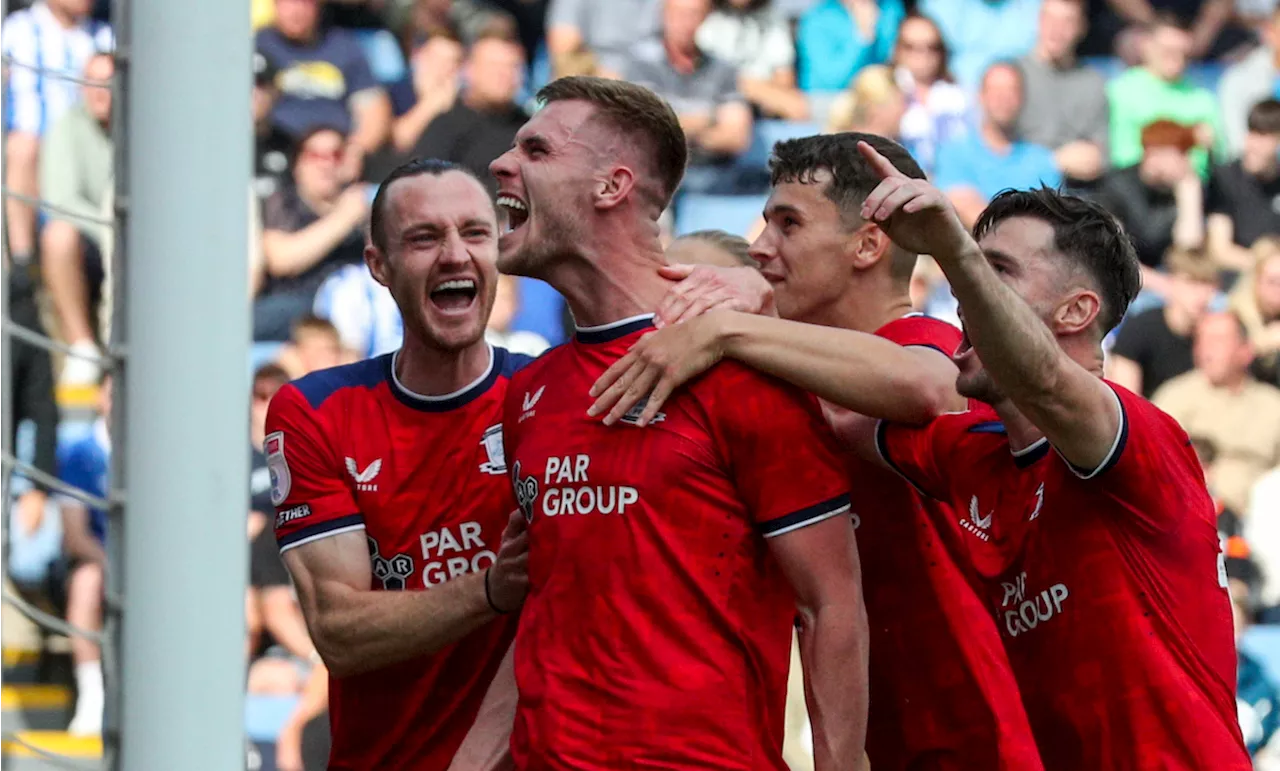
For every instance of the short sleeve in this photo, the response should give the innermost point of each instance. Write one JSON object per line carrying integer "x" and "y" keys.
{"x": 782, "y": 456}
{"x": 311, "y": 497}
{"x": 355, "y": 67}
{"x": 1151, "y": 469}
{"x": 1215, "y": 194}
{"x": 918, "y": 331}
{"x": 913, "y": 452}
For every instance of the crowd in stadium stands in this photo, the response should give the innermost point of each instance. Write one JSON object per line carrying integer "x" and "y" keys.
{"x": 1167, "y": 111}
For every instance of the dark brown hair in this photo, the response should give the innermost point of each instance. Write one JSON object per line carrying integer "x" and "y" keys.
{"x": 1264, "y": 117}
{"x": 637, "y": 112}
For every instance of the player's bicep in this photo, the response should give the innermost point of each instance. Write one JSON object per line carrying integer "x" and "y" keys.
{"x": 820, "y": 561}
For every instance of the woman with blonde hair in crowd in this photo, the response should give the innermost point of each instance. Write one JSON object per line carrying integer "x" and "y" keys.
{"x": 937, "y": 108}
{"x": 873, "y": 104}
{"x": 1257, "y": 302}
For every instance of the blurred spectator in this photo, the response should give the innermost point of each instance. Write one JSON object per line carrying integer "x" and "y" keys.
{"x": 1244, "y": 195}
{"x": 1154, "y": 346}
{"x": 1257, "y": 698}
{"x": 702, "y": 90}
{"x": 873, "y": 104}
{"x": 974, "y": 168}
{"x": 980, "y": 34}
{"x": 1220, "y": 401}
{"x": 1256, "y": 300}
{"x": 837, "y": 38}
{"x": 51, "y": 37}
{"x": 314, "y": 344}
{"x": 84, "y": 464}
{"x": 435, "y": 76}
{"x": 1160, "y": 89}
{"x": 75, "y": 175}
{"x": 499, "y": 332}
{"x": 310, "y": 228}
{"x": 1248, "y": 82}
{"x": 304, "y": 740}
{"x": 1213, "y": 33}
{"x": 606, "y": 29}
{"x": 937, "y": 108}
{"x": 1065, "y": 106}
{"x": 1262, "y": 532}
{"x": 1160, "y": 200}
{"x": 362, "y": 310}
{"x": 463, "y": 20}
{"x": 325, "y": 80}
{"x": 750, "y": 35}
{"x": 271, "y": 145}
{"x": 477, "y": 127}
{"x": 28, "y": 387}
{"x": 711, "y": 247}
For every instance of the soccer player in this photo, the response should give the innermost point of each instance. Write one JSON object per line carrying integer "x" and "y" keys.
{"x": 942, "y": 691}
{"x": 392, "y": 496}
{"x": 1112, "y": 600}
{"x": 666, "y": 562}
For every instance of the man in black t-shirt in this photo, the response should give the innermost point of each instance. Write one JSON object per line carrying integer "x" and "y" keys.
{"x": 1244, "y": 196}
{"x": 1155, "y": 345}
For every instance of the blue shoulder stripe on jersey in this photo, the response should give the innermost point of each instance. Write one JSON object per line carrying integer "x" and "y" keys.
{"x": 607, "y": 333}
{"x": 988, "y": 427}
{"x": 514, "y": 362}
{"x": 1021, "y": 460}
{"x": 319, "y": 386}
{"x": 497, "y": 365}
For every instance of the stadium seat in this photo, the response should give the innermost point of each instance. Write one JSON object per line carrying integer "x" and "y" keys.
{"x": 383, "y": 52}
{"x": 733, "y": 213}
{"x": 1263, "y": 643}
{"x": 265, "y": 715}
{"x": 263, "y": 353}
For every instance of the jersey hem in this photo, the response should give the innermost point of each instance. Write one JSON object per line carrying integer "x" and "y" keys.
{"x": 809, "y": 515}
{"x": 882, "y": 449}
{"x": 1117, "y": 445}
{"x": 347, "y": 524}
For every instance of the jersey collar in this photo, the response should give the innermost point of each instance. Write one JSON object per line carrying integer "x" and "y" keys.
{"x": 614, "y": 330}
{"x": 445, "y": 402}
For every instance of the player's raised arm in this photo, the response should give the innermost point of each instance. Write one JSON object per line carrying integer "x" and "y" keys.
{"x": 1074, "y": 408}
{"x": 858, "y": 371}
{"x": 322, "y": 540}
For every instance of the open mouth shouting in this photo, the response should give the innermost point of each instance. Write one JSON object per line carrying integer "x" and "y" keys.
{"x": 454, "y": 296}
{"x": 513, "y": 213}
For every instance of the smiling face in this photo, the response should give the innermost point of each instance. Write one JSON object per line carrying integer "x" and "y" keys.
{"x": 440, "y": 257}
{"x": 544, "y": 187}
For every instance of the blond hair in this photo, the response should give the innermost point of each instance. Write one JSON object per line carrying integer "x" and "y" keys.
{"x": 875, "y": 85}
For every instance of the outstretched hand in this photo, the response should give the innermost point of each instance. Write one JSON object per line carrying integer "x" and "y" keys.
{"x": 915, "y": 214}
{"x": 705, "y": 287}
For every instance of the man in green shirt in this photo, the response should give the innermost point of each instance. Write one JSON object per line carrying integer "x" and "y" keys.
{"x": 1159, "y": 89}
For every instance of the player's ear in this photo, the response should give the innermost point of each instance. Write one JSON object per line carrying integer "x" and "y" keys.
{"x": 1077, "y": 312}
{"x": 614, "y": 187}
{"x": 376, "y": 259}
{"x": 868, "y": 244}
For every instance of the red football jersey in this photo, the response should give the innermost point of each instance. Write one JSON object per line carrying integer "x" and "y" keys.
{"x": 1113, "y": 602}
{"x": 943, "y": 694}
{"x": 657, "y": 630}
{"x": 351, "y": 449}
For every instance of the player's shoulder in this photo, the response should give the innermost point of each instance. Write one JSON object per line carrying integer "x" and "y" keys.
{"x": 319, "y": 387}
{"x": 521, "y": 368}
{"x": 509, "y": 363}
{"x": 918, "y": 329}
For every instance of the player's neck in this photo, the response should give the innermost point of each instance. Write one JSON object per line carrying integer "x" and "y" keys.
{"x": 1022, "y": 432}
{"x": 626, "y": 284}
{"x": 429, "y": 371}
{"x": 866, "y": 307}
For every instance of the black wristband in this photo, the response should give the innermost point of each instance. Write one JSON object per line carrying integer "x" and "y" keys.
{"x": 489, "y": 597}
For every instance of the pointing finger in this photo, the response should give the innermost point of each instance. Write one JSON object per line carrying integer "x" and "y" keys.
{"x": 883, "y": 166}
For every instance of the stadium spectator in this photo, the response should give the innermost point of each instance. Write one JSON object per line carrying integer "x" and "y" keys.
{"x": 752, "y": 36}
{"x": 1154, "y": 346}
{"x": 873, "y": 104}
{"x": 310, "y": 228}
{"x": 51, "y": 37}
{"x": 476, "y": 127}
{"x": 1159, "y": 89}
{"x": 1243, "y": 195}
{"x": 937, "y": 108}
{"x": 498, "y": 332}
{"x": 429, "y": 90}
{"x": 607, "y": 30}
{"x": 1256, "y": 300}
{"x": 271, "y": 146}
{"x": 711, "y": 247}
{"x": 979, "y": 34}
{"x": 1257, "y": 697}
{"x": 325, "y": 80}
{"x": 75, "y": 176}
{"x": 314, "y": 344}
{"x": 837, "y": 38}
{"x": 1213, "y": 33}
{"x": 1220, "y": 401}
{"x": 362, "y": 310}
{"x": 973, "y": 168}
{"x": 1160, "y": 199}
{"x": 304, "y": 740}
{"x": 1065, "y": 105}
{"x": 462, "y": 20}
{"x": 84, "y": 464}
{"x": 703, "y": 91}
{"x": 1247, "y": 82}
{"x": 1262, "y": 532}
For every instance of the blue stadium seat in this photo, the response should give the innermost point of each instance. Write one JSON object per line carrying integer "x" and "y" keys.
{"x": 265, "y": 715}
{"x": 733, "y": 213}
{"x": 1263, "y": 643}
{"x": 767, "y": 134}
{"x": 384, "y": 55}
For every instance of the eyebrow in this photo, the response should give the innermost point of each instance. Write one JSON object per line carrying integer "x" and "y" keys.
{"x": 531, "y": 140}
{"x": 781, "y": 208}
{"x": 995, "y": 255}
